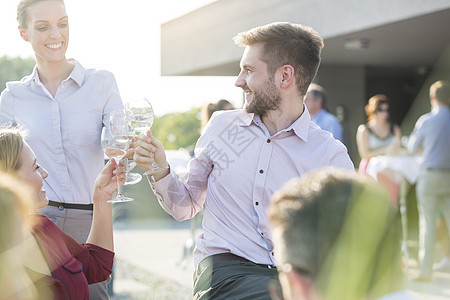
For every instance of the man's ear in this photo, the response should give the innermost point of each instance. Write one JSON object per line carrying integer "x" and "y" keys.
{"x": 23, "y": 34}
{"x": 287, "y": 75}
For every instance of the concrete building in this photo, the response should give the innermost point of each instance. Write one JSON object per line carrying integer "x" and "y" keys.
{"x": 395, "y": 47}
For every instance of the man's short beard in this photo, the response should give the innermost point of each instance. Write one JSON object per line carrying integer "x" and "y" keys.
{"x": 265, "y": 99}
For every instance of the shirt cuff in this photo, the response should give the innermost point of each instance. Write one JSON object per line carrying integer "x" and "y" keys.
{"x": 162, "y": 184}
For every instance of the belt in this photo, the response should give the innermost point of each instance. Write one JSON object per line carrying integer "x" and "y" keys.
{"x": 223, "y": 257}
{"x": 61, "y": 206}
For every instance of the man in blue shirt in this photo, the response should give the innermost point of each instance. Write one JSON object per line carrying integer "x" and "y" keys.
{"x": 315, "y": 100}
{"x": 431, "y": 138}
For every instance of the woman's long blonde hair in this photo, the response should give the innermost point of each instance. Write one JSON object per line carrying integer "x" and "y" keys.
{"x": 11, "y": 144}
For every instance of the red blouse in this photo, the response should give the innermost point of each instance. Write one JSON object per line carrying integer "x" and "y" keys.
{"x": 73, "y": 266}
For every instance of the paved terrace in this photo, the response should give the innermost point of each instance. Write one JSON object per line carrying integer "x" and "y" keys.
{"x": 149, "y": 265}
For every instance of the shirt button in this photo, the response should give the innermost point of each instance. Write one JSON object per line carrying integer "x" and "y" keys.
{"x": 261, "y": 171}
{"x": 61, "y": 208}
{"x": 262, "y": 233}
{"x": 257, "y": 203}
{"x": 268, "y": 140}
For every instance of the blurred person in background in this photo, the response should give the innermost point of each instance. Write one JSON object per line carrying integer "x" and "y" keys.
{"x": 63, "y": 106}
{"x": 242, "y": 157}
{"x": 379, "y": 136}
{"x": 431, "y": 138}
{"x": 336, "y": 236}
{"x": 57, "y": 264}
{"x": 211, "y": 107}
{"x": 315, "y": 101}
{"x": 208, "y": 109}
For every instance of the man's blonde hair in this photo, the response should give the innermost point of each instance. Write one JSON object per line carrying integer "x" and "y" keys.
{"x": 331, "y": 220}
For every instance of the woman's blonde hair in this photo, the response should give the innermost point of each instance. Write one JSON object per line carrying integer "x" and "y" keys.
{"x": 11, "y": 144}
{"x": 15, "y": 203}
{"x": 14, "y": 197}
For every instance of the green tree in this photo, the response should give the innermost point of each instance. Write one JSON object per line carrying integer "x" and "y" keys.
{"x": 178, "y": 130}
{"x": 14, "y": 68}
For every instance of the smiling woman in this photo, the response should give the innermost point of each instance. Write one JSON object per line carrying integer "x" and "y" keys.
{"x": 126, "y": 41}
{"x": 46, "y": 103}
{"x": 56, "y": 263}
{"x": 45, "y": 25}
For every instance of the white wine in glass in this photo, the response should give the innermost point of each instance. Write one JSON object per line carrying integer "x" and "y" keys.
{"x": 115, "y": 147}
{"x": 130, "y": 177}
{"x": 143, "y": 120}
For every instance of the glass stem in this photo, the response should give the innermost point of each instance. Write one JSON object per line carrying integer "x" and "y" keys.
{"x": 119, "y": 192}
{"x": 127, "y": 167}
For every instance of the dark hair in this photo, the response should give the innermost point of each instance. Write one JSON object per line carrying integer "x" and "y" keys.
{"x": 287, "y": 43}
{"x": 209, "y": 108}
{"x": 318, "y": 91}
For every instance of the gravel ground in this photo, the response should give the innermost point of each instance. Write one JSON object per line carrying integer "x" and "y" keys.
{"x": 133, "y": 282}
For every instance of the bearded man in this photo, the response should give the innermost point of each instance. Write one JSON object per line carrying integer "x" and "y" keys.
{"x": 242, "y": 157}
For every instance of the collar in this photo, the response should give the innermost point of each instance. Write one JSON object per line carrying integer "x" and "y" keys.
{"x": 32, "y": 77}
{"x": 77, "y": 75}
{"x": 300, "y": 127}
{"x": 247, "y": 119}
{"x": 439, "y": 108}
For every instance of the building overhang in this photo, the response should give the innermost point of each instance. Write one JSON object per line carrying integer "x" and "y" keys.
{"x": 403, "y": 33}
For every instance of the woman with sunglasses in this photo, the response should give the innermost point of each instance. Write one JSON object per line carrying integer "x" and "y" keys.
{"x": 379, "y": 136}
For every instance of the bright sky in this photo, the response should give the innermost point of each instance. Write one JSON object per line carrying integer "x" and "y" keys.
{"x": 124, "y": 38}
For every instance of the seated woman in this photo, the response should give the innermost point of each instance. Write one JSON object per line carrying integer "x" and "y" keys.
{"x": 379, "y": 137}
{"x": 59, "y": 266}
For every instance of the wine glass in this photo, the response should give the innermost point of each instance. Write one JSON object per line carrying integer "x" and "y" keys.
{"x": 115, "y": 143}
{"x": 143, "y": 119}
{"x": 130, "y": 177}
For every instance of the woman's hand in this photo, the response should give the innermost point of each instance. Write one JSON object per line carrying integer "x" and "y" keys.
{"x": 106, "y": 181}
{"x": 101, "y": 233}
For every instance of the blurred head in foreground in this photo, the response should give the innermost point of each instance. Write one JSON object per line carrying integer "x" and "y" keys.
{"x": 15, "y": 203}
{"x": 336, "y": 236}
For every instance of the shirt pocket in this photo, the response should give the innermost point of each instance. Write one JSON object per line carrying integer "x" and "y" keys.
{"x": 70, "y": 281}
{"x": 73, "y": 266}
{"x": 84, "y": 129}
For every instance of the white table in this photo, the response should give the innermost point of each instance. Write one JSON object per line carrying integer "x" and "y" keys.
{"x": 404, "y": 165}
{"x": 405, "y": 170}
